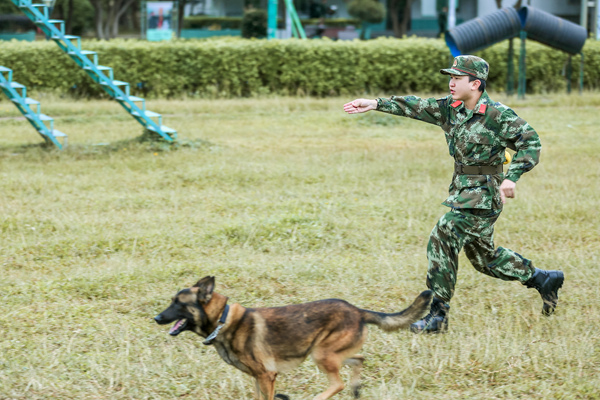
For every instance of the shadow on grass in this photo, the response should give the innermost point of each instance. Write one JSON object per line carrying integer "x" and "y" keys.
{"x": 146, "y": 142}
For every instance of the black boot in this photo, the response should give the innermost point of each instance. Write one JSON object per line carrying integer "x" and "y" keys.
{"x": 434, "y": 322}
{"x": 547, "y": 283}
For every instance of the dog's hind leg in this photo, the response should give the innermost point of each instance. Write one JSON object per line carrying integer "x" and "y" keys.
{"x": 356, "y": 362}
{"x": 265, "y": 386}
{"x": 330, "y": 364}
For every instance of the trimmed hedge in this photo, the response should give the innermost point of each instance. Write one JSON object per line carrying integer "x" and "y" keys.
{"x": 238, "y": 67}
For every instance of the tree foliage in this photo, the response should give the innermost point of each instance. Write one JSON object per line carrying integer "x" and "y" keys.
{"x": 7, "y": 7}
{"x": 254, "y": 23}
{"x": 77, "y": 14}
{"x": 370, "y": 11}
{"x": 80, "y": 16}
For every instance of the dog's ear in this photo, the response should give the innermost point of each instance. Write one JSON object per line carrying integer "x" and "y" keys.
{"x": 205, "y": 287}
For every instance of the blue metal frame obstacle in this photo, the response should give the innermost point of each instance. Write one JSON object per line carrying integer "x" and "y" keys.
{"x": 88, "y": 60}
{"x": 296, "y": 25}
{"x": 17, "y": 93}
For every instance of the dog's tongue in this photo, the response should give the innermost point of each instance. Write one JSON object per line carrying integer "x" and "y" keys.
{"x": 176, "y": 326}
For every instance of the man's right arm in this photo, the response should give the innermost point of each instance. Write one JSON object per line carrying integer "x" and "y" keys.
{"x": 426, "y": 110}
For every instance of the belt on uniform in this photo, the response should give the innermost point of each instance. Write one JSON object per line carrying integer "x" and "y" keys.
{"x": 477, "y": 169}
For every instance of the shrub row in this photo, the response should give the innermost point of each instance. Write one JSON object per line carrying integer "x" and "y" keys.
{"x": 238, "y": 67}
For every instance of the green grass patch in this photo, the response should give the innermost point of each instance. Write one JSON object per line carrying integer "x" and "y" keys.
{"x": 284, "y": 200}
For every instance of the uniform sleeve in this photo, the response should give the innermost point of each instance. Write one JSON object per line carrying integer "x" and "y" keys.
{"x": 525, "y": 140}
{"x": 429, "y": 110}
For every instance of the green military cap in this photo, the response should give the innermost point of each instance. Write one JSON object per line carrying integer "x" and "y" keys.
{"x": 468, "y": 65}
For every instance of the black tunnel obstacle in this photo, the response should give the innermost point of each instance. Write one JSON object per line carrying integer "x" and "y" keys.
{"x": 551, "y": 30}
{"x": 527, "y": 23}
{"x": 506, "y": 23}
{"x": 483, "y": 32}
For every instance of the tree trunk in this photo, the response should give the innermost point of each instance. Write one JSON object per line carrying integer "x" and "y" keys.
{"x": 98, "y": 18}
{"x": 180, "y": 16}
{"x": 393, "y": 9}
{"x": 132, "y": 17}
{"x": 119, "y": 12}
{"x": 107, "y": 15}
{"x": 59, "y": 10}
{"x": 69, "y": 18}
{"x": 406, "y": 17}
{"x": 400, "y": 11}
{"x": 112, "y": 23}
{"x": 136, "y": 16}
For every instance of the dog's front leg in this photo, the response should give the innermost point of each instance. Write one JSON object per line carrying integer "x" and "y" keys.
{"x": 265, "y": 386}
{"x": 257, "y": 394}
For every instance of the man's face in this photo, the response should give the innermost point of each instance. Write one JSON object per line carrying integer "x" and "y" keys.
{"x": 460, "y": 87}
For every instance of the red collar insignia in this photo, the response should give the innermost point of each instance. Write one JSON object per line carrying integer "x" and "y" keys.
{"x": 456, "y": 103}
{"x": 482, "y": 108}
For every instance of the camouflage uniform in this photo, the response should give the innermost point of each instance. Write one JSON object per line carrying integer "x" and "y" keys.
{"x": 475, "y": 137}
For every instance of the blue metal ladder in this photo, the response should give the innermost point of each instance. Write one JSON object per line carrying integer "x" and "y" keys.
{"x": 88, "y": 60}
{"x": 17, "y": 93}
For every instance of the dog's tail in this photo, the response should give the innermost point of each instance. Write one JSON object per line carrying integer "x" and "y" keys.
{"x": 402, "y": 319}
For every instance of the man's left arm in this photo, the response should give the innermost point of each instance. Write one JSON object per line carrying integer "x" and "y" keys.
{"x": 521, "y": 136}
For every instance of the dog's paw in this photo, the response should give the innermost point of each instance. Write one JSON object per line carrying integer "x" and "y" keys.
{"x": 282, "y": 396}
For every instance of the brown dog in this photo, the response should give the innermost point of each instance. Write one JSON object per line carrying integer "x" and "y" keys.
{"x": 263, "y": 342}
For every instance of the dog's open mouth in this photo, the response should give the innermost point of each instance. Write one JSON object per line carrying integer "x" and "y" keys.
{"x": 178, "y": 327}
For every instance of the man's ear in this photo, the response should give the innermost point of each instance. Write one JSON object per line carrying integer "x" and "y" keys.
{"x": 205, "y": 287}
{"x": 475, "y": 85}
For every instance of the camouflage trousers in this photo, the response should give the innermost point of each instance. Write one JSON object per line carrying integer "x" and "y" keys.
{"x": 472, "y": 230}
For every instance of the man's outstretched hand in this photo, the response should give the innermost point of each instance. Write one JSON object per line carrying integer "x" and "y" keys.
{"x": 360, "y": 106}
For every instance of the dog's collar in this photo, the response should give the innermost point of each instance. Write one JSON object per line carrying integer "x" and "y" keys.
{"x": 209, "y": 340}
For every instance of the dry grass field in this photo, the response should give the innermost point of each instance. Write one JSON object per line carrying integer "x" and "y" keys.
{"x": 284, "y": 200}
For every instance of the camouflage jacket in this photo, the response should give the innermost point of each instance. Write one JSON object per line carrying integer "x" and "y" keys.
{"x": 474, "y": 137}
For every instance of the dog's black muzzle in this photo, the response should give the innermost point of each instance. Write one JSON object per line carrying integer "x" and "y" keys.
{"x": 167, "y": 317}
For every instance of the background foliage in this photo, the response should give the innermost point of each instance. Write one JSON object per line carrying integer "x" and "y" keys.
{"x": 7, "y": 7}
{"x": 82, "y": 13}
{"x": 367, "y": 10}
{"x": 238, "y": 67}
{"x": 254, "y": 24}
